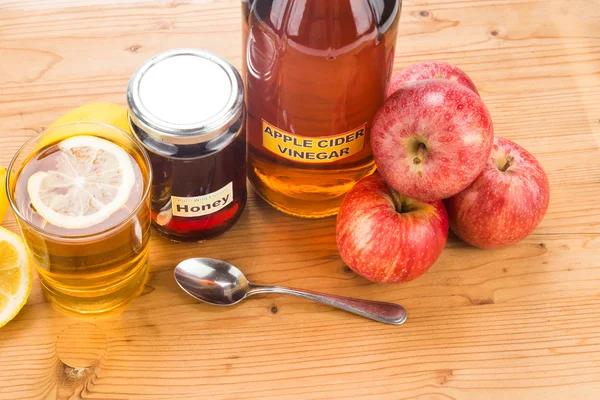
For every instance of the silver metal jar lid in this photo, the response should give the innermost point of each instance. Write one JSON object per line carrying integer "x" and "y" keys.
{"x": 185, "y": 96}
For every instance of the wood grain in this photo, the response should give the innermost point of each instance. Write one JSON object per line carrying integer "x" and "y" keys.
{"x": 515, "y": 323}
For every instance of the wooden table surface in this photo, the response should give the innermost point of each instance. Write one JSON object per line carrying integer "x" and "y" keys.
{"x": 517, "y": 323}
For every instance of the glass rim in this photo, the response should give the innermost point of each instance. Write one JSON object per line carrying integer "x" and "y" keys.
{"x": 130, "y": 216}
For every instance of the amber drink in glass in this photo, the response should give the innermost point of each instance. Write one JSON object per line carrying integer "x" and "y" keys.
{"x": 80, "y": 193}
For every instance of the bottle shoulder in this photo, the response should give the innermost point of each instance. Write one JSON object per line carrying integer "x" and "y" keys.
{"x": 322, "y": 25}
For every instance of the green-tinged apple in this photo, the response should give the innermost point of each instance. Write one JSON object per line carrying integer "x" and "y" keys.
{"x": 431, "y": 139}
{"x": 387, "y": 237}
{"x": 429, "y": 70}
{"x": 505, "y": 203}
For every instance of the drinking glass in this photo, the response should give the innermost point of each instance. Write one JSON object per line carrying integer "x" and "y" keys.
{"x": 98, "y": 269}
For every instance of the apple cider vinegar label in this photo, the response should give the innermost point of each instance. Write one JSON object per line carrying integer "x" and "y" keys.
{"x": 202, "y": 205}
{"x": 313, "y": 150}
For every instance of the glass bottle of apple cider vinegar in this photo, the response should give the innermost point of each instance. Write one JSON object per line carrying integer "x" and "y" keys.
{"x": 316, "y": 73}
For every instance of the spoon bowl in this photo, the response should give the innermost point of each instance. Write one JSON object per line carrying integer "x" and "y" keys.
{"x": 212, "y": 281}
{"x": 220, "y": 283}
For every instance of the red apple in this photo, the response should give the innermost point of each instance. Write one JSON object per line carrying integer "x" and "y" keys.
{"x": 387, "y": 237}
{"x": 505, "y": 203}
{"x": 429, "y": 70}
{"x": 431, "y": 139}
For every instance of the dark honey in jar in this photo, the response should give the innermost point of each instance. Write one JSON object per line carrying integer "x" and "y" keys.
{"x": 186, "y": 107}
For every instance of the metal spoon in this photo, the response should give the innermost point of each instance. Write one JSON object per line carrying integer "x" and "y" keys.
{"x": 220, "y": 283}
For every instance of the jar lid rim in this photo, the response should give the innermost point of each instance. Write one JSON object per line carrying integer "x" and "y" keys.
{"x": 150, "y": 89}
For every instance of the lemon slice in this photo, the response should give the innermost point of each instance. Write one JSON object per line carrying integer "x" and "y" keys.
{"x": 92, "y": 180}
{"x": 15, "y": 275}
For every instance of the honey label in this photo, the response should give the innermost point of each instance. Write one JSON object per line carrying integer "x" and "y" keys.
{"x": 202, "y": 205}
{"x": 324, "y": 149}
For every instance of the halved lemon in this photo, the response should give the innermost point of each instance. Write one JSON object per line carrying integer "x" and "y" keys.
{"x": 15, "y": 275}
{"x": 92, "y": 180}
{"x": 106, "y": 113}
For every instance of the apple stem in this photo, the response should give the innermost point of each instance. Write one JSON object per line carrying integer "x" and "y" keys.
{"x": 419, "y": 157}
{"x": 509, "y": 162}
{"x": 397, "y": 200}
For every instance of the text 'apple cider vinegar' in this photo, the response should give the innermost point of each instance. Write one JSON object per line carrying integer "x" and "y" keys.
{"x": 316, "y": 73}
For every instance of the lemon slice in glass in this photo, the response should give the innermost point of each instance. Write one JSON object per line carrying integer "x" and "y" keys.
{"x": 15, "y": 275}
{"x": 92, "y": 180}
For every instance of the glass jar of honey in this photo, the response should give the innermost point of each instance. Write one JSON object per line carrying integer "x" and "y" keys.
{"x": 186, "y": 106}
{"x": 316, "y": 72}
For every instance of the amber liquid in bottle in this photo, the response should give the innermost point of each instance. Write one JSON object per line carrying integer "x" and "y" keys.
{"x": 314, "y": 70}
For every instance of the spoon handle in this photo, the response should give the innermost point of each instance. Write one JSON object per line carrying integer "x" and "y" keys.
{"x": 387, "y": 313}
